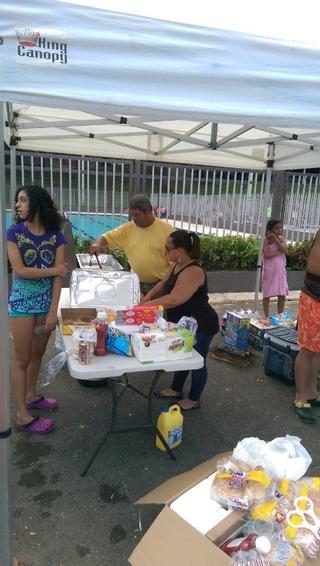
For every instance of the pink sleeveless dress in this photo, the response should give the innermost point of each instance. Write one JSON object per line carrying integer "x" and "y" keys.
{"x": 274, "y": 274}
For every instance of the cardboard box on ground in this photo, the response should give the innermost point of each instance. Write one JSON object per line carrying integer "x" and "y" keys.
{"x": 172, "y": 541}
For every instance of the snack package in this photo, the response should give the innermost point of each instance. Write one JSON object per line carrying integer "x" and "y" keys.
{"x": 140, "y": 314}
{"x": 118, "y": 342}
{"x": 308, "y": 503}
{"x": 188, "y": 322}
{"x": 238, "y": 486}
{"x": 278, "y": 503}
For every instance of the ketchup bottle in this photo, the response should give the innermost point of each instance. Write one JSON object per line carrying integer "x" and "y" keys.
{"x": 246, "y": 543}
{"x": 101, "y": 329}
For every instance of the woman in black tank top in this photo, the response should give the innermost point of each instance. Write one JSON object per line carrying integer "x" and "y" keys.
{"x": 183, "y": 292}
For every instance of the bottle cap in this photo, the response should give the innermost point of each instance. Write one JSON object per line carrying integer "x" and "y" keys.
{"x": 263, "y": 545}
{"x": 102, "y": 315}
{"x": 165, "y": 410}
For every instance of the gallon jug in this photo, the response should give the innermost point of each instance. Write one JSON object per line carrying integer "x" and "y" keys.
{"x": 170, "y": 423}
{"x": 101, "y": 329}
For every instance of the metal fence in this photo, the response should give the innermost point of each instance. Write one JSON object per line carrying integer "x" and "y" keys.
{"x": 94, "y": 194}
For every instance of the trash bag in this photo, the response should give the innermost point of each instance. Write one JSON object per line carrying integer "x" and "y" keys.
{"x": 51, "y": 369}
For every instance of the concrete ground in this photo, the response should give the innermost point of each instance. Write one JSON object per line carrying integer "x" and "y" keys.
{"x": 62, "y": 519}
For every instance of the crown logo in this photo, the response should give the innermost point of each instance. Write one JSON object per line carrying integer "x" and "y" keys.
{"x": 27, "y": 37}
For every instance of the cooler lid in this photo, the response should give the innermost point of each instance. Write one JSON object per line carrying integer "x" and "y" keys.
{"x": 283, "y": 333}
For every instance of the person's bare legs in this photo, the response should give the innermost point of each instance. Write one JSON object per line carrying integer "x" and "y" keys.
{"x": 39, "y": 344}
{"x": 312, "y": 382}
{"x": 22, "y": 333}
{"x": 265, "y": 303}
{"x": 306, "y": 375}
{"x": 281, "y": 303}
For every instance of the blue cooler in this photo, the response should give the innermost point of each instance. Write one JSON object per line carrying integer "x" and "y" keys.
{"x": 280, "y": 349}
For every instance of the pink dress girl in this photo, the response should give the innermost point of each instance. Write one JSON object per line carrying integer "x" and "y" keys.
{"x": 274, "y": 274}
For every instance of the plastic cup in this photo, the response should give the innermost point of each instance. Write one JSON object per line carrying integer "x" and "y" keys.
{"x": 262, "y": 528}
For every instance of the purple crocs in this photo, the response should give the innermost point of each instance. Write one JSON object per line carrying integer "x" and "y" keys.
{"x": 38, "y": 425}
{"x": 45, "y": 403}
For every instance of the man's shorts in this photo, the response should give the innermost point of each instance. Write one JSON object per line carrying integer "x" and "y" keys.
{"x": 309, "y": 323}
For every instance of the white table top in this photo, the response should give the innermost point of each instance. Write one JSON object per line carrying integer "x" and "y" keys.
{"x": 113, "y": 365}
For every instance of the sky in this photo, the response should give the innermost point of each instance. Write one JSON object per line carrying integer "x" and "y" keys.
{"x": 292, "y": 20}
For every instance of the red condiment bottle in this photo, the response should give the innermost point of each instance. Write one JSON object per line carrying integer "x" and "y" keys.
{"x": 101, "y": 329}
{"x": 235, "y": 544}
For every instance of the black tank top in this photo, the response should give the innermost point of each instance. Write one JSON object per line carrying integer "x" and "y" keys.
{"x": 197, "y": 306}
{"x": 311, "y": 281}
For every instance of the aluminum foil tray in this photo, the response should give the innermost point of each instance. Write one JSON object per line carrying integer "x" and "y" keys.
{"x": 104, "y": 288}
{"x": 107, "y": 261}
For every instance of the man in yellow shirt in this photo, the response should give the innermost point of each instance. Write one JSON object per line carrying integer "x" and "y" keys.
{"x": 143, "y": 241}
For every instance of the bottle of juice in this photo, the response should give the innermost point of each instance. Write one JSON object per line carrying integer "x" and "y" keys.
{"x": 170, "y": 423}
{"x": 101, "y": 329}
{"x": 245, "y": 543}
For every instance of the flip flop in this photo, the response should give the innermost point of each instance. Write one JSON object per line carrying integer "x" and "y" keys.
{"x": 159, "y": 395}
{"x": 45, "y": 403}
{"x": 38, "y": 425}
{"x": 196, "y": 406}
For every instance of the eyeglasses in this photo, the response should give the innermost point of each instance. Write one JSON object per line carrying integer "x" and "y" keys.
{"x": 169, "y": 249}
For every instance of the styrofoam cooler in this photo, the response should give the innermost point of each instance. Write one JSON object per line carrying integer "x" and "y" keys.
{"x": 279, "y": 353}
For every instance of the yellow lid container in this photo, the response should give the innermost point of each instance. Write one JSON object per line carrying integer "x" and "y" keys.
{"x": 170, "y": 424}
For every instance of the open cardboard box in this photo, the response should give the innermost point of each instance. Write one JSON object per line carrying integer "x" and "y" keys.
{"x": 73, "y": 317}
{"x": 172, "y": 541}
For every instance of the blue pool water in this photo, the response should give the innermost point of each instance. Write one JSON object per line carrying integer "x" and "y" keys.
{"x": 88, "y": 226}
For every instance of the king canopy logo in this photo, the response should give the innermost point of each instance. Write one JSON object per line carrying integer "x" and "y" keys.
{"x": 32, "y": 46}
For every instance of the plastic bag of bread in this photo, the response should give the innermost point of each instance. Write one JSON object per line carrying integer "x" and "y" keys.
{"x": 303, "y": 522}
{"x": 237, "y": 486}
{"x": 278, "y": 503}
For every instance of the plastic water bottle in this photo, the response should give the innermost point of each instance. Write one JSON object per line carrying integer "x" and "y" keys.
{"x": 170, "y": 424}
{"x": 101, "y": 329}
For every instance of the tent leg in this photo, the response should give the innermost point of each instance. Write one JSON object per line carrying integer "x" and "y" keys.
{"x": 263, "y": 222}
{"x": 5, "y": 431}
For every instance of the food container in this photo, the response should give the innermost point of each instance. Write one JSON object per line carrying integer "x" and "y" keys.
{"x": 102, "y": 288}
{"x": 106, "y": 261}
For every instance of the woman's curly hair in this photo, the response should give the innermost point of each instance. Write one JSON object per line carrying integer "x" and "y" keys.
{"x": 40, "y": 201}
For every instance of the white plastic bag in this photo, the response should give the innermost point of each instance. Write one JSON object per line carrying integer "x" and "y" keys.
{"x": 286, "y": 458}
{"x": 52, "y": 368}
{"x": 283, "y": 458}
{"x": 249, "y": 450}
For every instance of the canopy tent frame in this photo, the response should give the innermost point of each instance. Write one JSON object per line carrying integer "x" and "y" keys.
{"x": 293, "y": 144}
{"x": 227, "y": 91}
{"x": 5, "y": 430}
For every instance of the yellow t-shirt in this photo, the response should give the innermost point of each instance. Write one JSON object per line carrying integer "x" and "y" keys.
{"x": 144, "y": 248}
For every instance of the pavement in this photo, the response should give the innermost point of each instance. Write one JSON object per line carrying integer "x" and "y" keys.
{"x": 62, "y": 519}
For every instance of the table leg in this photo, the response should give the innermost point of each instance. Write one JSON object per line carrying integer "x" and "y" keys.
{"x": 113, "y": 430}
{"x": 107, "y": 434}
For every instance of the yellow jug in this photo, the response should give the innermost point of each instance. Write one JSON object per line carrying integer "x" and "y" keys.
{"x": 170, "y": 424}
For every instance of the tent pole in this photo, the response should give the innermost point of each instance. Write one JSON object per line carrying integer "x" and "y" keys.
{"x": 270, "y": 160}
{"x": 5, "y": 431}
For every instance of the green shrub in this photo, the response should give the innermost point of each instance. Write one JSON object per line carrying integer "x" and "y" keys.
{"x": 226, "y": 253}
{"x": 229, "y": 253}
{"x": 297, "y": 255}
{"x": 81, "y": 247}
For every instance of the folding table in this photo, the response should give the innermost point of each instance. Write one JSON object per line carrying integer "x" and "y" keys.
{"x": 119, "y": 369}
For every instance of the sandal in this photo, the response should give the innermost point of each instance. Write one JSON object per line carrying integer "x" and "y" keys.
{"x": 195, "y": 406}
{"x": 45, "y": 403}
{"x": 304, "y": 413}
{"x": 38, "y": 425}
{"x": 160, "y": 395}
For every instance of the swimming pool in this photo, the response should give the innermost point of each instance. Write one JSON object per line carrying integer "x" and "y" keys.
{"x": 88, "y": 225}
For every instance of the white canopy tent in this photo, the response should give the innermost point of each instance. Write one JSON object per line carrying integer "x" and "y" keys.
{"x": 92, "y": 82}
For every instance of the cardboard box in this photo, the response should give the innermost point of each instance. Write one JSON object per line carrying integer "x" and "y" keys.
{"x": 172, "y": 541}
{"x": 76, "y": 317}
{"x": 256, "y": 333}
{"x": 237, "y": 330}
{"x": 156, "y": 345}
